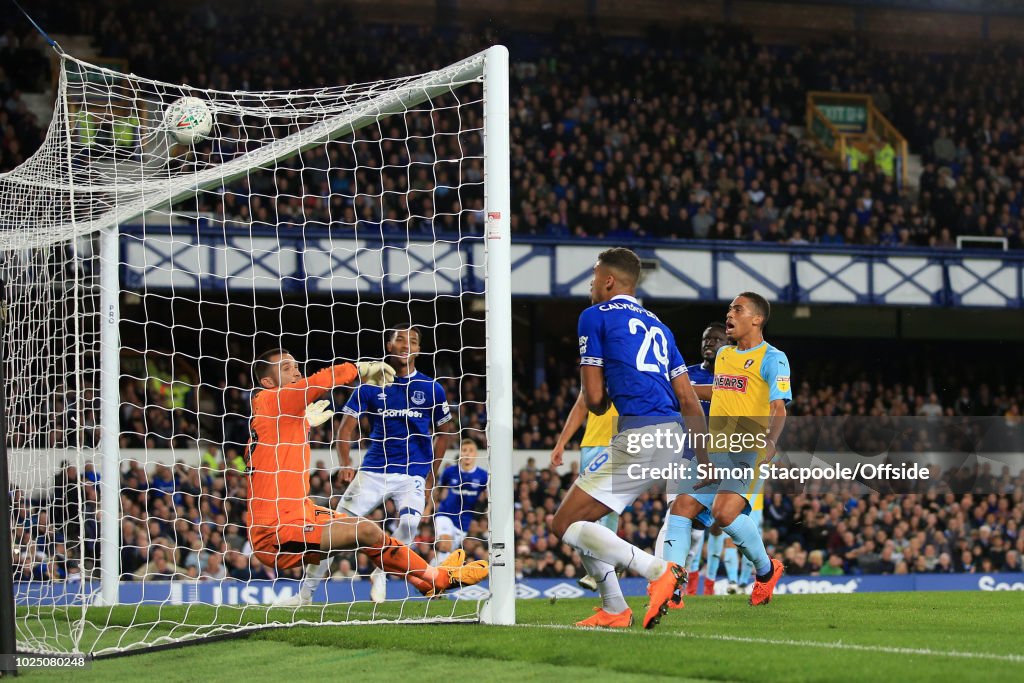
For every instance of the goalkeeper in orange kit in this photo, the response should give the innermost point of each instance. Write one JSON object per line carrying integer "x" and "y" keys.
{"x": 285, "y": 527}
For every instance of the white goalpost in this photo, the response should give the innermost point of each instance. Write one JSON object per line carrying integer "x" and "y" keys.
{"x": 144, "y": 274}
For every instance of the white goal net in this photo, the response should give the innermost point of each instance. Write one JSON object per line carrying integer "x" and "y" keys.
{"x": 149, "y": 257}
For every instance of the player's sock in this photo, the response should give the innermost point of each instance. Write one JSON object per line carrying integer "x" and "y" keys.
{"x": 398, "y": 558}
{"x": 715, "y": 546}
{"x": 312, "y": 576}
{"x": 677, "y": 539}
{"x": 746, "y": 571}
{"x": 696, "y": 545}
{"x": 611, "y": 520}
{"x": 607, "y": 584}
{"x": 747, "y": 538}
{"x": 601, "y": 542}
{"x": 731, "y": 560}
{"x": 659, "y": 543}
{"x": 408, "y": 525}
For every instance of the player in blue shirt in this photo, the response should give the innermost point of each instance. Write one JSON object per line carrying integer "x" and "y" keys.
{"x": 702, "y": 373}
{"x": 629, "y": 357}
{"x": 409, "y": 425}
{"x": 464, "y": 485}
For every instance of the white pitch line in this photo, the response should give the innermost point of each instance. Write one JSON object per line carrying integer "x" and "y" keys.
{"x": 834, "y": 645}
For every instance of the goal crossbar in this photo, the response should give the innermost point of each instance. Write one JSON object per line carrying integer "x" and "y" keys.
{"x": 362, "y": 114}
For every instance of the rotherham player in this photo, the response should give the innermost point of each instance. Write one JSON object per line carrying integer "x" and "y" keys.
{"x": 750, "y": 392}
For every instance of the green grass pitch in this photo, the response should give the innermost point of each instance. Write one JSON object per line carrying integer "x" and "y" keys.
{"x": 868, "y": 637}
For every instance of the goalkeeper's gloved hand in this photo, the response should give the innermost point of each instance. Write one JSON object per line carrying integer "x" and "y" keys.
{"x": 375, "y": 372}
{"x": 317, "y": 413}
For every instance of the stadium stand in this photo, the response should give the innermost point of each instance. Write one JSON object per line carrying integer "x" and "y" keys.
{"x": 22, "y": 67}
{"x": 703, "y": 144}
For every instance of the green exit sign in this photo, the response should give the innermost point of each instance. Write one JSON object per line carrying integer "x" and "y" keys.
{"x": 845, "y": 116}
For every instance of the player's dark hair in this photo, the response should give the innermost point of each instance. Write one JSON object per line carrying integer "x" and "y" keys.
{"x": 263, "y": 365}
{"x": 761, "y": 304}
{"x": 715, "y": 325}
{"x": 403, "y": 327}
{"x": 623, "y": 260}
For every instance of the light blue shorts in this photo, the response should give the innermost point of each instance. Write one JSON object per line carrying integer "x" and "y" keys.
{"x": 737, "y": 482}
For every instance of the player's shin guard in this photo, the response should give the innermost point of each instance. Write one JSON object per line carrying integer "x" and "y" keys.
{"x": 677, "y": 539}
{"x": 747, "y": 538}
{"x": 716, "y": 544}
{"x": 597, "y": 541}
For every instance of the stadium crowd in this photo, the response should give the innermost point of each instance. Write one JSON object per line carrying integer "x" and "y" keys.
{"x": 22, "y": 69}
{"x": 181, "y": 521}
{"x": 690, "y": 133}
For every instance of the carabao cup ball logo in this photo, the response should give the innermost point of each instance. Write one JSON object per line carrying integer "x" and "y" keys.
{"x": 189, "y": 120}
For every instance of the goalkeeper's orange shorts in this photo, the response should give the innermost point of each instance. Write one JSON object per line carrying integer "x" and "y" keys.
{"x": 294, "y": 538}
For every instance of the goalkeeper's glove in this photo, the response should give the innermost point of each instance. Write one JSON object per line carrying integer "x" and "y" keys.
{"x": 375, "y": 372}
{"x": 317, "y": 413}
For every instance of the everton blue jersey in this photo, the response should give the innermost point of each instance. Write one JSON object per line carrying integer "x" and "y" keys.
{"x": 402, "y": 416}
{"x": 638, "y": 354}
{"x": 698, "y": 375}
{"x": 464, "y": 491}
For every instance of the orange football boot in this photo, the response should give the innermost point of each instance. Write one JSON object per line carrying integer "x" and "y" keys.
{"x": 709, "y": 586}
{"x": 602, "y": 619}
{"x": 661, "y": 591}
{"x": 762, "y": 593}
{"x": 456, "y": 559}
{"x": 692, "y": 581}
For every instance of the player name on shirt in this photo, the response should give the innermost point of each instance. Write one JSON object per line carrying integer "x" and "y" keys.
{"x": 638, "y": 354}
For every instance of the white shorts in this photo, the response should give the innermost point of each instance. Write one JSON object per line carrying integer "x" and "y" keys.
{"x": 444, "y": 526}
{"x": 370, "y": 489}
{"x": 614, "y": 478}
